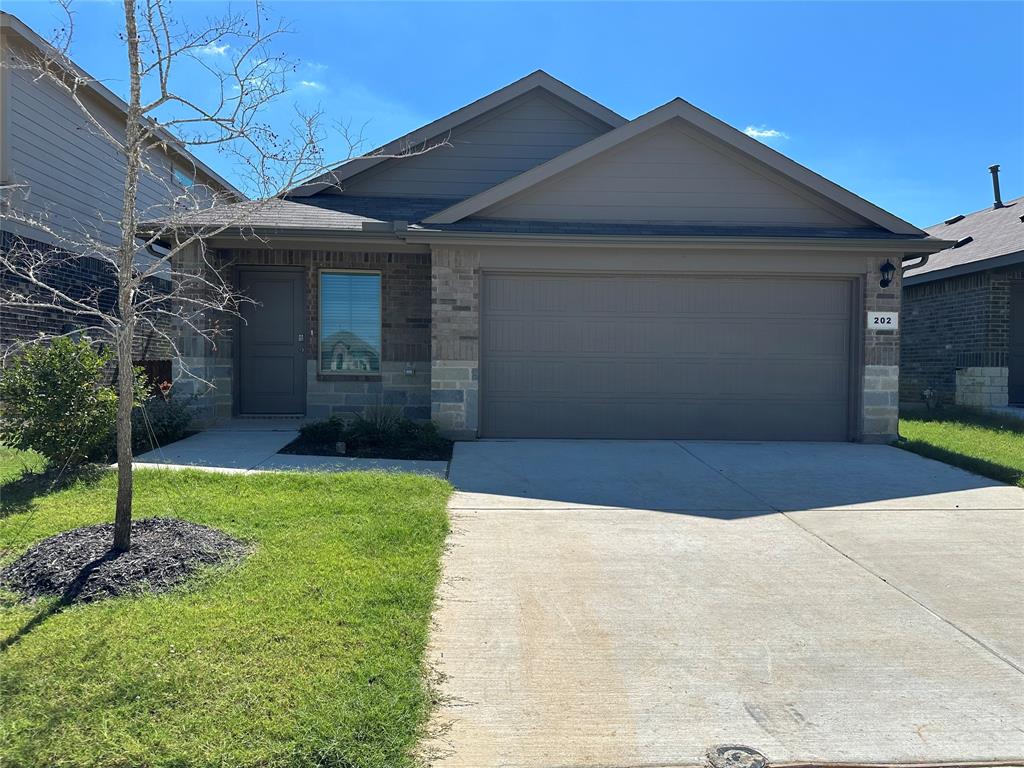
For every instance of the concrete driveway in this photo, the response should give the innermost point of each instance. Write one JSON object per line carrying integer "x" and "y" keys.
{"x": 612, "y": 603}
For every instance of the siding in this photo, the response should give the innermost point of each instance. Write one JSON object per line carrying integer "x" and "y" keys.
{"x": 671, "y": 174}
{"x": 526, "y": 132}
{"x": 72, "y": 176}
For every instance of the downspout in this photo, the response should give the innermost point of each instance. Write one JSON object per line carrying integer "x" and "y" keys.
{"x": 923, "y": 260}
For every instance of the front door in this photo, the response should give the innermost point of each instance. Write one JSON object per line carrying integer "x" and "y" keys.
{"x": 271, "y": 344}
{"x": 1016, "y": 362}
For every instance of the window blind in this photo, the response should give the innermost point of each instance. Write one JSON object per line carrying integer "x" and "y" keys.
{"x": 349, "y": 322}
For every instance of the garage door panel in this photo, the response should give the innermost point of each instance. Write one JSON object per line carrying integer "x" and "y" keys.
{"x": 695, "y": 378}
{"x": 665, "y": 356}
{"x": 632, "y": 336}
{"x": 639, "y": 419}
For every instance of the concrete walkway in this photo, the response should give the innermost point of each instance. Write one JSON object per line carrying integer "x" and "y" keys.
{"x": 248, "y": 448}
{"x": 628, "y": 604}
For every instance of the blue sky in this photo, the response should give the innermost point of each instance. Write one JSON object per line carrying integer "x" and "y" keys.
{"x": 906, "y": 104}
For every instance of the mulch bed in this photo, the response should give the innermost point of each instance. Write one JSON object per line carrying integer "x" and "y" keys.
{"x": 79, "y": 565}
{"x": 442, "y": 452}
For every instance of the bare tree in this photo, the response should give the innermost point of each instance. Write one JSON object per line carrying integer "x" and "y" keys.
{"x": 155, "y": 230}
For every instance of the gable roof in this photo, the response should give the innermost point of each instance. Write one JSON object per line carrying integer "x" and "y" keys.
{"x": 678, "y": 109}
{"x": 996, "y": 239}
{"x": 425, "y": 134}
{"x": 10, "y": 22}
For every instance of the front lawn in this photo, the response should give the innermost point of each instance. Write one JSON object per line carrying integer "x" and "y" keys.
{"x": 15, "y": 463}
{"x": 309, "y": 653}
{"x": 987, "y": 444}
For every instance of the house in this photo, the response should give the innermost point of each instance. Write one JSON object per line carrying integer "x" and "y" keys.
{"x": 62, "y": 172}
{"x": 963, "y": 318}
{"x": 548, "y": 268}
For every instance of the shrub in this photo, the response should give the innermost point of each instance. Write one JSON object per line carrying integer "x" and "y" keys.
{"x": 421, "y": 440}
{"x": 160, "y": 421}
{"x": 381, "y": 432}
{"x": 322, "y": 433}
{"x": 55, "y": 400}
{"x": 378, "y": 421}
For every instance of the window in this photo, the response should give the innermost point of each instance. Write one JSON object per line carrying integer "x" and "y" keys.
{"x": 183, "y": 178}
{"x": 349, "y": 322}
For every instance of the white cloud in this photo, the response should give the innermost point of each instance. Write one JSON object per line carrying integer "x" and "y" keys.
{"x": 312, "y": 85}
{"x": 313, "y": 66}
{"x": 763, "y": 133}
{"x": 212, "y": 49}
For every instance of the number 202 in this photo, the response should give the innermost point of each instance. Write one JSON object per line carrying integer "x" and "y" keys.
{"x": 882, "y": 320}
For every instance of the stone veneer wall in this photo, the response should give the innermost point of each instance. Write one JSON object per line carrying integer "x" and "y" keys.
{"x": 405, "y": 337}
{"x": 957, "y": 323}
{"x": 455, "y": 340}
{"x": 880, "y": 412}
{"x": 982, "y": 387}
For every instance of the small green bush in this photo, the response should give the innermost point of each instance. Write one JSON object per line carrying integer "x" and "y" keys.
{"x": 55, "y": 400}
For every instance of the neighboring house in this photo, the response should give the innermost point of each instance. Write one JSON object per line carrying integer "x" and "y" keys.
{"x": 555, "y": 270}
{"x": 963, "y": 318}
{"x": 64, "y": 173}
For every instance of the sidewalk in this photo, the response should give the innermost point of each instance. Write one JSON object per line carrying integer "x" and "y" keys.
{"x": 247, "y": 449}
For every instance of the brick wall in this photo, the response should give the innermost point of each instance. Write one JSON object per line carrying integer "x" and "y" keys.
{"x": 455, "y": 334}
{"x": 959, "y": 322}
{"x": 80, "y": 277}
{"x": 404, "y": 380}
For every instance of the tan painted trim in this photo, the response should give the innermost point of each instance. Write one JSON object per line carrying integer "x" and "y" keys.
{"x": 479, "y": 239}
{"x": 421, "y": 241}
{"x": 318, "y": 241}
{"x": 858, "y": 335}
{"x": 431, "y": 131}
{"x": 640, "y": 260}
{"x": 724, "y": 133}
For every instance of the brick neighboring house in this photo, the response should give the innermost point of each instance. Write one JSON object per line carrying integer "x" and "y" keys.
{"x": 963, "y": 311}
{"x": 64, "y": 172}
{"x": 553, "y": 269}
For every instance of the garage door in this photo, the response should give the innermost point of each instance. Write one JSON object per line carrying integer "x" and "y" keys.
{"x": 663, "y": 357}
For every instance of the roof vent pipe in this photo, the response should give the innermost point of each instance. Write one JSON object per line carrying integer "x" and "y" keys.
{"x": 994, "y": 170}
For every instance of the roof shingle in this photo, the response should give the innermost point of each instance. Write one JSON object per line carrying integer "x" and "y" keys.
{"x": 344, "y": 213}
{"x": 994, "y": 233}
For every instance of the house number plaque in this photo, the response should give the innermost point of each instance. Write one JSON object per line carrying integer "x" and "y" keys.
{"x": 883, "y": 321}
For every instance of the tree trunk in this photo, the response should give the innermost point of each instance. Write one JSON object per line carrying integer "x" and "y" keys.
{"x": 126, "y": 288}
{"x": 125, "y": 403}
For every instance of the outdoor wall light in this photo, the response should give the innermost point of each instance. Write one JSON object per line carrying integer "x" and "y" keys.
{"x": 887, "y": 271}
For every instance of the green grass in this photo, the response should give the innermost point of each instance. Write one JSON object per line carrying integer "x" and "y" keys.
{"x": 15, "y": 463}
{"x": 986, "y": 444}
{"x": 307, "y": 654}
